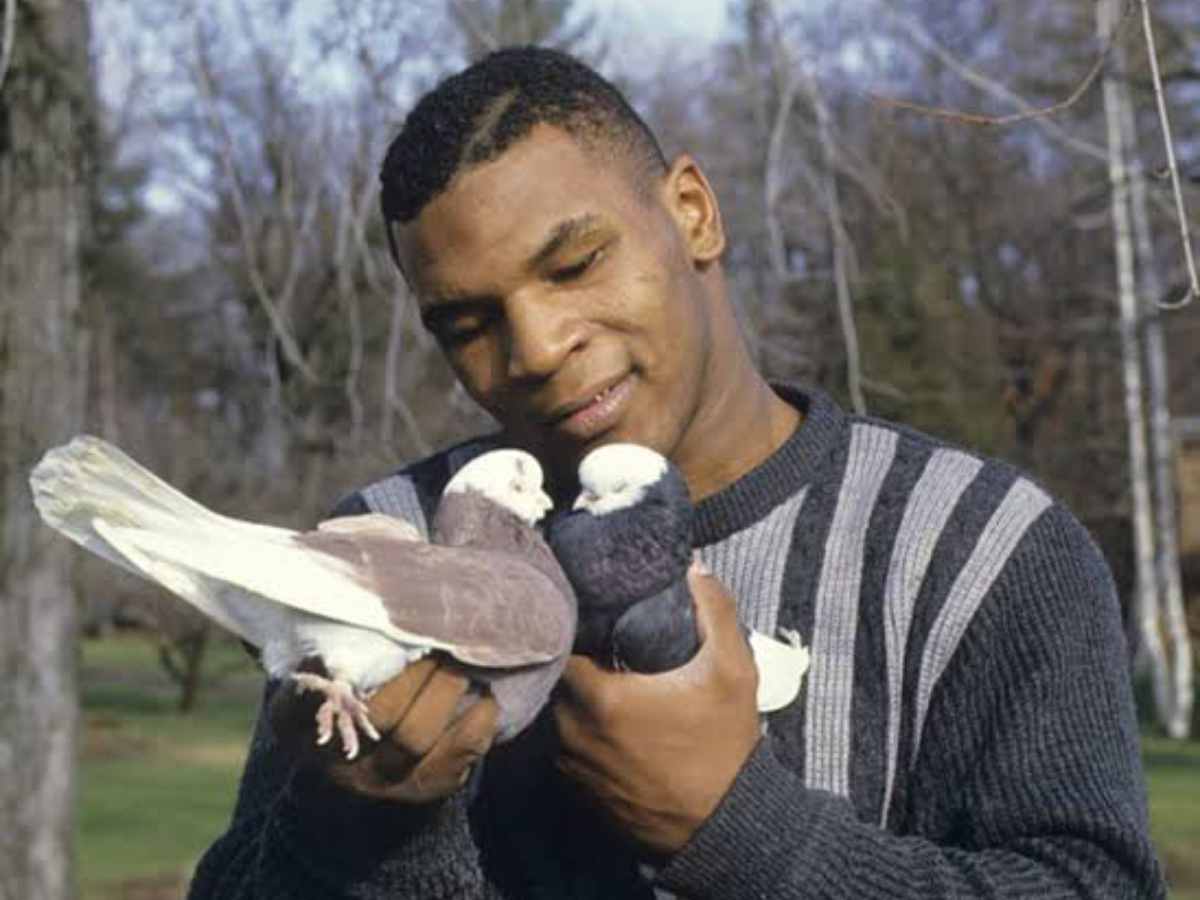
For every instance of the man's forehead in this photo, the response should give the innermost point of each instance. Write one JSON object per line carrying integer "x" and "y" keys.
{"x": 447, "y": 267}
{"x": 505, "y": 210}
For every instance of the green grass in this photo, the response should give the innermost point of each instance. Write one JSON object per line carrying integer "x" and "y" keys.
{"x": 158, "y": 787}
{"x": 1173, "y": 774}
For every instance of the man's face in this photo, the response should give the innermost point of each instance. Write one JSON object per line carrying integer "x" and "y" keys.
{"x": 568, "y": 303}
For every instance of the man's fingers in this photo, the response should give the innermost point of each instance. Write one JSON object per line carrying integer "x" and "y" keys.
{"x": 586, "y": 684}
{"x": 430, "y": 714}
{"x": 716, "y": 610}
{"x": 448, "y": 763}
{"x": 388, "y": 705}
{"x": 472, "y": 734}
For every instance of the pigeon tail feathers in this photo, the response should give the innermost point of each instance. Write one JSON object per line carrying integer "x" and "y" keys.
{"x": 89, "y": 480}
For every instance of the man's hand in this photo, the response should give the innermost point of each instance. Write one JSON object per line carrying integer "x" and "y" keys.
{"x": 659, "y": 751}
{"x": 431, "y": 735}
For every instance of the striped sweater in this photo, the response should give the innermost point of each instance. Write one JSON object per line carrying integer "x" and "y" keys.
{"x": 966, "y": 728}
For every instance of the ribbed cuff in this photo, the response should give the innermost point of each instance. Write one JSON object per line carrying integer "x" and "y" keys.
{"x": 760, "y": 828}
{"x": 354, "y": 847}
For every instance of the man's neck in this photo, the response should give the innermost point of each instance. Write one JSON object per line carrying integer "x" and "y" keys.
{"x": 740, "y": 427}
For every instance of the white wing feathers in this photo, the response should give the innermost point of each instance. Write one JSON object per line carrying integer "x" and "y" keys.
{"x": 265, "y": 567}
{"x": 239, "y": 573}
{"x": 89, "y": 478}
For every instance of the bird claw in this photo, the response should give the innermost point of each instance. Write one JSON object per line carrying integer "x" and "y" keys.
{"x": 342, "y": 710}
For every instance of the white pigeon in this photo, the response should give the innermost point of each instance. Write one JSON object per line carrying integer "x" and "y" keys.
{"x": 365, "y": 594}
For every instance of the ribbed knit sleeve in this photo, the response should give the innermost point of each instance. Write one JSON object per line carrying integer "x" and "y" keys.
{"x": 1025, "y": 780}
{"x": 295, "y": 837}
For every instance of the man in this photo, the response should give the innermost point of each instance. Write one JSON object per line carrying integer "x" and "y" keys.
{"x": 966, "y": 728}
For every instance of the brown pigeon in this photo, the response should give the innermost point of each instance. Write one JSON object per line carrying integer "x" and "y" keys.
{"x": 365, "y": 595}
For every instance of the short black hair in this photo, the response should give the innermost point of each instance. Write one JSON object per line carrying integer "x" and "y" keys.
{"x": 476, "y": 115}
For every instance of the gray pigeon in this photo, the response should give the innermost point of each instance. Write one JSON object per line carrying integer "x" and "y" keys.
{"x": 365, "y": 595}
{"x": 626, "y": 547}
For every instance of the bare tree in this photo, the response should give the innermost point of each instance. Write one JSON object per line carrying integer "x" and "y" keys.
{"x": 43, "y": 222}
{"x": 488, "y": 25}
{"x": 1176, "y": 715}
{"x": 1148, "y": 604}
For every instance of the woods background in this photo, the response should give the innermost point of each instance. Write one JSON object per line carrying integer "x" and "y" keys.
{"x": 192, "y": 265}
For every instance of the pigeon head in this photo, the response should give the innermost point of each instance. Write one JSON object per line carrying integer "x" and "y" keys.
{"x": 510, "y": 478}
{"x": 617, "y": 476}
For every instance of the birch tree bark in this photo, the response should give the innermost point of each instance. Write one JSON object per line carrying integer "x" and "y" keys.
{"x": 1147, "y": 600}
{"x": 43, "y": 216}
{"x": 1177, "y": 714}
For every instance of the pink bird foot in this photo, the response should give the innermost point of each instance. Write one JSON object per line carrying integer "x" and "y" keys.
{"x": 342, "y": 709}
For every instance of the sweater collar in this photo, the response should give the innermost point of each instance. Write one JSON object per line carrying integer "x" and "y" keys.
{"x": 781, "y": 475}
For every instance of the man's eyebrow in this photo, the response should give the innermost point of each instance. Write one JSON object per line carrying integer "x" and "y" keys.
{"x": 447, "y": 308}
{"x": 563, "y": 233}
{"x": 444, "y": 305}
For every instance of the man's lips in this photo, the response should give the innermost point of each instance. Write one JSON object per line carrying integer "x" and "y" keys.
{"x": 595, "y": 412}
{"x": 584, "y": 399}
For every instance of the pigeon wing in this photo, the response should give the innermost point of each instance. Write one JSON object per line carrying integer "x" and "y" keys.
{"x": 487, "y": 608}
{"x": 246, "y": 585}
{"x": 89, "y": 480}
{"x": 483, "y": 608}
{"x": 367, "y": 571}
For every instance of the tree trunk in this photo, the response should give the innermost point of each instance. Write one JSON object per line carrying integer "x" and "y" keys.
{"x": 44, "y": 122}
{"x": 1151, "y": 649}
{"x": 1178, "y": 656}
{"x": 182, "y": 658}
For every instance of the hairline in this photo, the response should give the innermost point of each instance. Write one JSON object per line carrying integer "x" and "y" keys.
{"x": 625, "y": 147}
{"x": 642, "y": 171}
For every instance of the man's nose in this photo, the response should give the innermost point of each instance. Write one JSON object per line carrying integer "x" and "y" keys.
{"x": 542, "y": 332}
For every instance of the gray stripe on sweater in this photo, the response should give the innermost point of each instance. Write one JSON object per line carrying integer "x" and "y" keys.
{"x": 397, "y": 496}
{"x": 751, "y": 563}
{"x": 1019, "y": 509}
{"x": 946, "y": 476}
{"x": 835, "y": 621}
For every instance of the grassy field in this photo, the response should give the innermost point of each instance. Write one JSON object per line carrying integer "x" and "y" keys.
{"x": 1173, "y": 773}
{"x": 157, "y": 787}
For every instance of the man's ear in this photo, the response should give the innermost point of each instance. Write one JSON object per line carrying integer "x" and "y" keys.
{"x": 693, "y": 205}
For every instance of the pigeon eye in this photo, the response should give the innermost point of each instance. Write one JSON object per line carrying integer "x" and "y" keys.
{"x": 518, "y": 487}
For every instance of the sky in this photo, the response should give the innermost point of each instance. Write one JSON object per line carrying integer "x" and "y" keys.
{"x": 698, "y": 20}
{"x": 646, "y": 30}
{"x": 638, "y": 33}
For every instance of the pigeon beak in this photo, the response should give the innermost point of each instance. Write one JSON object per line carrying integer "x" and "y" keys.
{"x": 585, "y": 500}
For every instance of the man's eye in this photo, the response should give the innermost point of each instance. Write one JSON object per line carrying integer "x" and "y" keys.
{"x": 575, "y": 270}
{"x": 458, "y": 332}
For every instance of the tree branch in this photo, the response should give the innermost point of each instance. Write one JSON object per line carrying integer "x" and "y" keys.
{"x": 1027, "y": 112}
{"x": 10, "y": 33}
{"x": 841, "y": 244}
{"x": 287, "y": 341}
{"x": 1172, "y": 166}
{"x": 466, "y": 15}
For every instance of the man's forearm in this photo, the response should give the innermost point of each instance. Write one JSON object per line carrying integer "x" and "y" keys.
{"x": 295, "y": 835}
{"x": 772, "y": 837}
